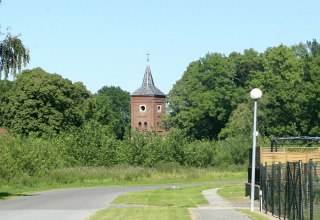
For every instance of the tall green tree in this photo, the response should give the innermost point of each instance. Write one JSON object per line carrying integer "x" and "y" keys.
{"x": 39, "y": 102}
{"x": 212, "y": 97}
{"x": 244, "y": 65}
{"x": 202, "y": 100}
{"x": 310, "y": 89}
{"x": 5, "y": 86}
{"x": 111, "y": 107}
{"x": 281, "y": 82}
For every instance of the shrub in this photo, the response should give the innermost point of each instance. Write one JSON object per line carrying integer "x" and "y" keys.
{"x": 27, "y": 157}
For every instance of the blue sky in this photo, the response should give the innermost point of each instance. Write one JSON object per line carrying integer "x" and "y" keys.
{"x": 105, "y": 42}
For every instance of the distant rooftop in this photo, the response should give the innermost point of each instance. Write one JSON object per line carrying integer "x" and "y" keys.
{"x": 148, "y": 88}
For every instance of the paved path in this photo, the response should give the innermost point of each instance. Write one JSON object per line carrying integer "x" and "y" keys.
{"x": 218, "y": 208}
{"x": 77, "y": 204}
{"x": 66, "y": 204}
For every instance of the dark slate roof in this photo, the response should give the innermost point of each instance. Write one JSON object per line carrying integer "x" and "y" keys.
{"x": 148, "y": 88}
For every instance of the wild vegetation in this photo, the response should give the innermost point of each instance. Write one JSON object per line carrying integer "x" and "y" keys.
{"x": 53, "y": 124}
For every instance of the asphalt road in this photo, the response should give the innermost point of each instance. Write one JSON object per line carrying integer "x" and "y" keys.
{"x": 66, "y": 204}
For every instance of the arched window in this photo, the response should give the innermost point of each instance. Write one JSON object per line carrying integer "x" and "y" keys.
{"x": 145, "y": 125}
{"x": 139, "y": 125}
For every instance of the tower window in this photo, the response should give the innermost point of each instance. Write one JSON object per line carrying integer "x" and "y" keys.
{"x": 142, "y": 108}
{"x": 159, "y": 108}
{"x": 145, "y": 125}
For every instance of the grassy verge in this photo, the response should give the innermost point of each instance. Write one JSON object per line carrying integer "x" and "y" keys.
{"x": 253, "y": 215}
{"x": 177, "y": 197}
{"x": 170, "y": 203}
{"x": 112, "y": 176}
{"x": 233, "y": 192}
{"x": 160, "y": 204}
{"x": 159, "y": 213}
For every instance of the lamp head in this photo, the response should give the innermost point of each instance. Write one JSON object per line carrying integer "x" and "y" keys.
{"x": 255, "y": 94}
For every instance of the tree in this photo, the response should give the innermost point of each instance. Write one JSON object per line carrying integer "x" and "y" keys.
{"x": 202, "y": 100}
{"x": 309, "y": 97}
{"x": 13, "y": 55}
{"x": 111, "y": 107}
{"x": 239, "y": 123}
{"x": 39, "y": 102}
{"x": 244, "y": 65}
{"x": 5, "y": 86}
{"x": 281, "y": 82}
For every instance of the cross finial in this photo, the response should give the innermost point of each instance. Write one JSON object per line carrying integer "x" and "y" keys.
{"x": 148, "y": 54}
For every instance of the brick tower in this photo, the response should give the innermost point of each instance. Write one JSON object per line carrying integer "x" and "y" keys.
{"x": 147, "y": 105}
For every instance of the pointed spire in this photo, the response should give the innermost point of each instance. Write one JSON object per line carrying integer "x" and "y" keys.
{"x": 148, "y": 88}
{"x": 147, "y": 79}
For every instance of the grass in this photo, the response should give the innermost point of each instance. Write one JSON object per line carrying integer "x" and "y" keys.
{"x": 164, "y": 204}
{"x": 147, "y": 213}
{"x": 113, "y": 176}
{"x": 253, "y": 215}
{"x": 233, "y": 192}
{"x": 177, "y": 197}
{"x": 160, "y": 204}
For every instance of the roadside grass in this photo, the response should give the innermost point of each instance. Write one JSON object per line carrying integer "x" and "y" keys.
{"x": 146, "y": 213}
{"x": 174, "y": 196}
{"x": 170, "y": 203}
{"x": 253, "y": 215}
{"x": 233, "y": 192}
{"x": 161, "y": 204}
{"x": 76, "y": 177}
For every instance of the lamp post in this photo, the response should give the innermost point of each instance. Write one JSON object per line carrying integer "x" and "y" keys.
{"x": 255, "y": 94}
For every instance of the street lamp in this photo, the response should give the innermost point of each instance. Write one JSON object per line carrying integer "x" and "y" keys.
{"x": 255, "y": 94}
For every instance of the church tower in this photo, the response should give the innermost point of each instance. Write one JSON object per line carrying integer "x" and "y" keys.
{"x": 147, "y": 105}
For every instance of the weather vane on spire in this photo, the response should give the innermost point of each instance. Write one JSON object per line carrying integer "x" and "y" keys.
{"x": 148, "y": 54}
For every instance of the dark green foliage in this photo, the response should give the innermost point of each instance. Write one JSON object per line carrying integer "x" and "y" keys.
{"x": 202, "y": 101}
{"x": 212, "y": 98}
{"x": 5, "y": 86}
{"x": 111, "y": 107}
{"x": 39, "y": 102}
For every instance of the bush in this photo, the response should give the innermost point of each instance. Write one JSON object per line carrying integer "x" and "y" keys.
{"x": 93, "y": 145}
{"x": 23, "y": 159}
{"x": 27, "y": 157}
{"x": 200, "y": 154}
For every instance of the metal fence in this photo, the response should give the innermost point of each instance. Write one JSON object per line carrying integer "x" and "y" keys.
{"x": 291, "y": 190}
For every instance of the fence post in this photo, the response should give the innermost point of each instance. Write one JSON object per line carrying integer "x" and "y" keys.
{"x": 261, "y": 187}
{"x": 266, "y": 188}
{"x": 286, "y": 192}
{"x": 300, "y": 209}
{"x": 311, "y": 188}
{"x": 294, "y": 192}
{"x": 279, "y": 188}
{"x": 272, "y": 189}
{"x": 305, "y": 182}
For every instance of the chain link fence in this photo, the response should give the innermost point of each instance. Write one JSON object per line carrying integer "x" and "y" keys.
{"x": 291, "y": 190}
